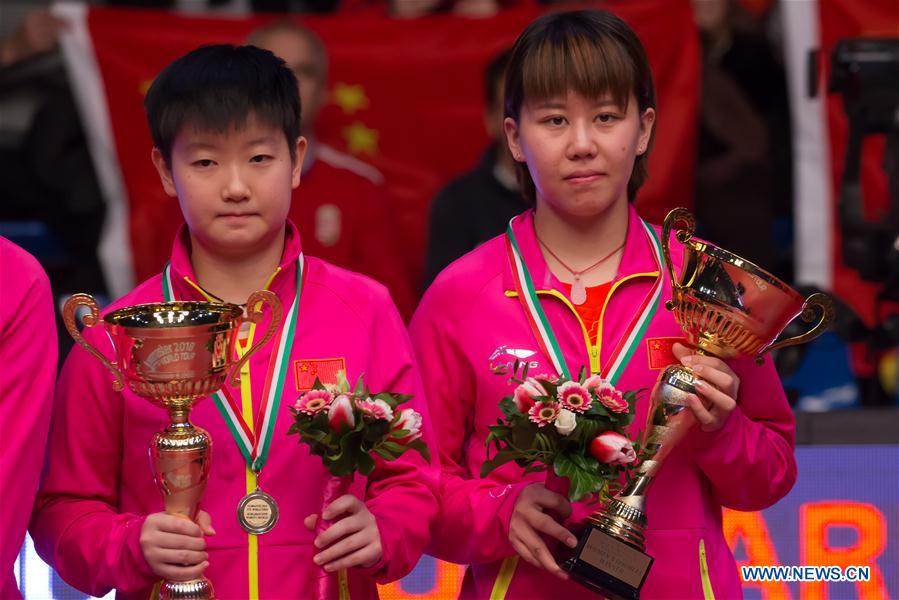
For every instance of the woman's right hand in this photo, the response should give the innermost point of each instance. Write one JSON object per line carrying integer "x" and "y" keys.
{"x": 175, "y": 547}
{"x": 529, "y": 520}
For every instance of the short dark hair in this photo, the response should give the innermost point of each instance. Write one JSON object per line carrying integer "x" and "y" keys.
{"x": 495, "y": 74}
{"x": 220, "y": 86}
{"x": 592, "y": 52}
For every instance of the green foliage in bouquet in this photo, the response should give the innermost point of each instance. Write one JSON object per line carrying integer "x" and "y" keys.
{"x": 576, "y": 427}
{"x": 348, "y": 429}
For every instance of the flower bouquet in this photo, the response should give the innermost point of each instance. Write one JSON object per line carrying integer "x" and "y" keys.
{"x": 575, "y": 429}
{"x": 347, "y": 428}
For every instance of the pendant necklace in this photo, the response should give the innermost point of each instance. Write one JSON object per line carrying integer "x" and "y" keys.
{"x": 578, "y": 291}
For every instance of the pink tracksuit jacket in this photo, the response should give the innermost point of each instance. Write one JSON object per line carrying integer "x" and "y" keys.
{"x": 98, "y": 486}
{"x": 471, "y": 317}
{"x": 28, "y": 357}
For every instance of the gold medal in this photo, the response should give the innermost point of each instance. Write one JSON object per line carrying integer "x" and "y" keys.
{"x": 257, "y": 512}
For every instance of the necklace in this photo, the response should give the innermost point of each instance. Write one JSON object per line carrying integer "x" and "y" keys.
{"x": 578, "y": 291}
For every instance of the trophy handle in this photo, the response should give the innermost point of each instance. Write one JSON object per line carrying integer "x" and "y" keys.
{"x": 254, "y": 314}
{"x": 676, "y": 215}
{"x": 826, "y": 308}
{"x": 68, "y": 317}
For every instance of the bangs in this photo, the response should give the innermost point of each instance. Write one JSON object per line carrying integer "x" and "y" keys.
{"x": 594, "y": 67}
{"x": 221, "y": 110}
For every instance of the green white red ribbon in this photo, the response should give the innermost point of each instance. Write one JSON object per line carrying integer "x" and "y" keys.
{"x": 255, "y": 446}
{"x": 542, "y": 329}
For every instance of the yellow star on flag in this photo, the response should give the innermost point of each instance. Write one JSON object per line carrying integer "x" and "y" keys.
{"x": 349, "y": 98}
{"x": 144, "y": 86}
{"x": 361, "y": 139}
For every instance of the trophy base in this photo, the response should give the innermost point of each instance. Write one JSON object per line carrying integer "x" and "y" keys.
{"x": 607, "y": 565}
{"x": 195, "y": 589}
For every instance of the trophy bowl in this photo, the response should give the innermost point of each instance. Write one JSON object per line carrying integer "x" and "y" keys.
{"x": 728, "y": 307}
{"x": 173, "y": 354}
{"x": 174, "y": 351}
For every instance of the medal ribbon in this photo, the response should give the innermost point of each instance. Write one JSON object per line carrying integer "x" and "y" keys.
{"x": 253, "y": 446}
{"x": 543, "y": 333}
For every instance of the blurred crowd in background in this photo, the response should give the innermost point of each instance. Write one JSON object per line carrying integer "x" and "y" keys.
{"x": 54, "y": 206}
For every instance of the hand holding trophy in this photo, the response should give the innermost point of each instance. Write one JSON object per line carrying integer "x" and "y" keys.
{"x": 173, "y": 354}
{"x": 728, "y": 307}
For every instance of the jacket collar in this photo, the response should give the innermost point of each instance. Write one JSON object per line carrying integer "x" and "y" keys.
{"x": 182, "y": 270}
{"x": 637, "y": 259}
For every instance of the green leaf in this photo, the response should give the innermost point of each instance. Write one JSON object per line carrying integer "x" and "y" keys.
{"x": 360, "y": 390}
{"x": 384, "y": 453}
{"x": 585, "y": 431}
{"x": 544, "y": 441}
{"x": 583, "y": 481}
{"x": 366, "y": 463}
{"x": 422, "y": 448}
{"x": 508, "y": 407}
{"x": 551, "y": 389}
{"x": 394, "y": 447}
{"x": 535, "y": 468}
{"x": 523, "y": 435}
{"x": 502, "y": 457}
{"x": 375, "y": 431}
{"x": 315, "y": 434}
{"x": 342, "y": 381}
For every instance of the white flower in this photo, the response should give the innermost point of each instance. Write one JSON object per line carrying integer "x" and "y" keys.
{"x": 410, "y": 421}
{"x": 565, "y": 422}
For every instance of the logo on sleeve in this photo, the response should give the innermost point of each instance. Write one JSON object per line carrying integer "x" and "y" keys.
{"x": 659, "y": 352}
{"x": 503, "y": 359}
{"x": 307, "y": 370}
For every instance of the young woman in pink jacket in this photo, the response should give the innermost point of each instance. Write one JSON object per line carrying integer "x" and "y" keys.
{"x": 225, "y": 123}
{"x": 580, "y": 109}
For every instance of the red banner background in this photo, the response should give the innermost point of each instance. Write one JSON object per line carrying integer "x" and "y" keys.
{"x": 405, "y": 97}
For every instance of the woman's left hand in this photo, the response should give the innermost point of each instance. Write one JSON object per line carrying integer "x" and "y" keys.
{"x": 716, "y": 383}
{"x": 351, "y": 541}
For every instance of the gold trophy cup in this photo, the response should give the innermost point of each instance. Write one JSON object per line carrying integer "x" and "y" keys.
{"x": 727, "y": 307}
{"x": 173, "y": 354}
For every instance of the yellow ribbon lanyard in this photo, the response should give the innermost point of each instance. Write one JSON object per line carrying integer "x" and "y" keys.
{"x": 246, "y": 400}
{"x": 504, "y": 578}
{"x": 707, "y": 592}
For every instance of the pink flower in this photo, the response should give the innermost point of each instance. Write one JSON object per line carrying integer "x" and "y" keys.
{"x": 526, "y": 393}
{"x": 611, "y": 398}
{"x": 594, "y": 382}
{"x": 546, "y": 377}
{"x": 410, "y": 421}
{"x": 613, "y": 449}
{"x": 544, "y": 412}
{"x": 375, "y": 409}
{"x": 341, "y": 413}
{"x": 574, "y": 396}
{"x": 313, "y": 402}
